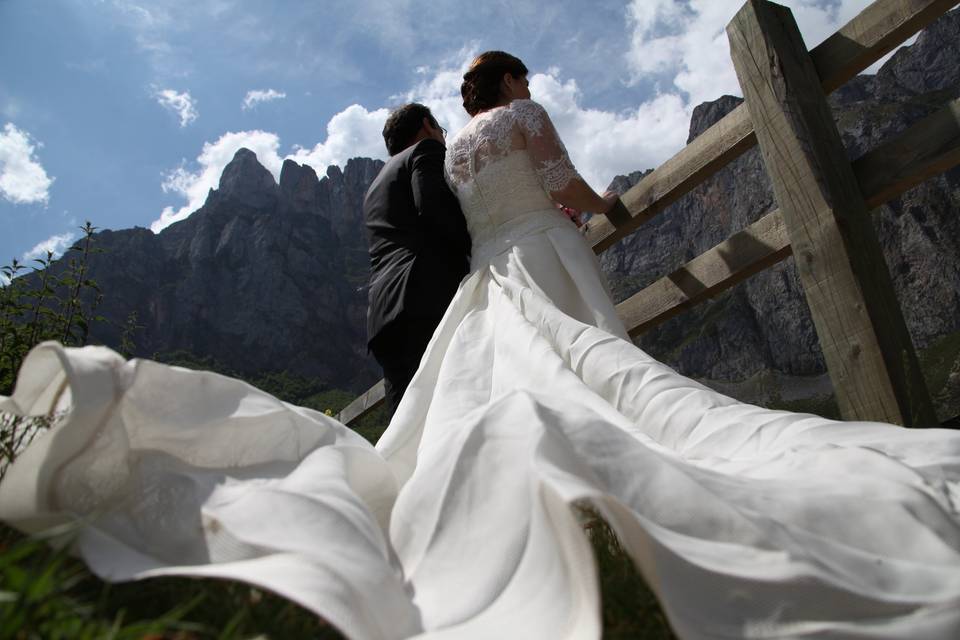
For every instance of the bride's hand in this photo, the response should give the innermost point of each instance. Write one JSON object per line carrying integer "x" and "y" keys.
{"x": 578, "y": 195}
{"x": 610, "y": 197}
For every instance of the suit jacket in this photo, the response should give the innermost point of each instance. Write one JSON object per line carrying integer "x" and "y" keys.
{"x": 419, "y": 245}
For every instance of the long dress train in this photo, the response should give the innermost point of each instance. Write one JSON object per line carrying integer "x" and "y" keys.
{"x": 746, "y": 522}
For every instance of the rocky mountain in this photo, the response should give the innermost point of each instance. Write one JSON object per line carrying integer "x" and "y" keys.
{"x": 271, "y": 277}
{"x": 764, "y": 324}
{"x": 263, "y": 277}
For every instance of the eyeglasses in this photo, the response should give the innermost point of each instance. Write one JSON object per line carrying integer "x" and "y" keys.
{"x": 444, "y": 132}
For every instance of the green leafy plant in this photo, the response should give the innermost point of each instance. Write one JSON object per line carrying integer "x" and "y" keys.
{"x": 51, "y": 300}
{"x": 58, "y": 302}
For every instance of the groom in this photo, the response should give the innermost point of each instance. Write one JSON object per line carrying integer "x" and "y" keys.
{"x": 419, "y": 246}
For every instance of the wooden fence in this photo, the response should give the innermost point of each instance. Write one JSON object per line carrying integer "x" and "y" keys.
{"x": 825, "y": 200}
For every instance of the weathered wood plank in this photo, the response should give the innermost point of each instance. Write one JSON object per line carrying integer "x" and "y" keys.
{"x": 928, "y": 148}
{"x": 371, "y": 399}
{"x": 855, "y": 46}
{"x": 703, "y": 157}
{"x": 876, "y": 31}
{"x": 762, "y": 244}
{"x": 865, "y": 342}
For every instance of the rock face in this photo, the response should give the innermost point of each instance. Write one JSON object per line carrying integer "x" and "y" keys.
{"x": 270, "y": 277}
{"x": 764, "y": 323}
{"x": 263, "y": 277}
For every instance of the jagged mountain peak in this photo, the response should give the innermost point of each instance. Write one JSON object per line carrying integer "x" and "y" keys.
{"x": 299, "y": 185}
{"x": 246, "y": 180}
{"x": 707, "y": 114}
{"x": 291, "y": 172}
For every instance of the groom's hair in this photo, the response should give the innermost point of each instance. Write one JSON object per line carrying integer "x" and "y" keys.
{"x": 403, "y": 124}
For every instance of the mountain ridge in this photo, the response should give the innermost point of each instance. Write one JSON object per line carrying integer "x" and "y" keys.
{"x": 265, "y": 276}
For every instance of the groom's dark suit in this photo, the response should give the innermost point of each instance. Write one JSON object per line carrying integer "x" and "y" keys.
{"x": 419, "y": 252}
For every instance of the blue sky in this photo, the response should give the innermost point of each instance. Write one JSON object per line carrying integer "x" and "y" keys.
{"x": 124, "y": 112}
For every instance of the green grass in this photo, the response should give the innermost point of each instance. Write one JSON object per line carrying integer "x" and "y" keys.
{"x": 937, "y": 361}
{"x": 630, "y": 610}
{"x": 372, "y": 425}
{"x": 331, "y": 400}
{"x": 46, "y": 594}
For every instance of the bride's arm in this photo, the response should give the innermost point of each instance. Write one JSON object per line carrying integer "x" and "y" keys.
{"x": 552, "y": 163}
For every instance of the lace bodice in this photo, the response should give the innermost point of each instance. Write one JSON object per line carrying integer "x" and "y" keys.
{"x": 504, "y": 164}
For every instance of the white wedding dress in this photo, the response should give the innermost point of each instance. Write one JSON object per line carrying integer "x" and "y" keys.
{"x": 747, "y": 522}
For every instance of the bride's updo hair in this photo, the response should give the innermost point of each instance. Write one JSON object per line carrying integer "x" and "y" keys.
{"x": 481, "y": 83}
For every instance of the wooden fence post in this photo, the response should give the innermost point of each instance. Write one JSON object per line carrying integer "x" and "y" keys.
{"x": 865, "y": 342}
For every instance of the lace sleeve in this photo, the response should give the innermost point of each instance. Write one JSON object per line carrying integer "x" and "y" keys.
{"x": 550, "y": 159}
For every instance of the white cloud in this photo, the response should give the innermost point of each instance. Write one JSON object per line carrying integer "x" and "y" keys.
{"x": 194, "y": 185}
{"x": 55, "y": 244}
{"x": 354, "y": 132}
{"x": 255, "y": 97}
{"x": 182, "y": 104}
{"x": 23, "y": 179}
{"x": 657, "y": 34}
{"x": 441, "y": 90}
{"x": 685, "y": 44}
{"x": 141, "y": 16}
{"x": 603, "y": 144}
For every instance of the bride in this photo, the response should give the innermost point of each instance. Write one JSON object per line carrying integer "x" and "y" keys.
{"x": 746, "y": 522}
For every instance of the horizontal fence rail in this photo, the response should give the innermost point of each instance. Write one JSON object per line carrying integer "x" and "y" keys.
{"x": 926, "y": 149}
{"x": 371, "y": 399}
